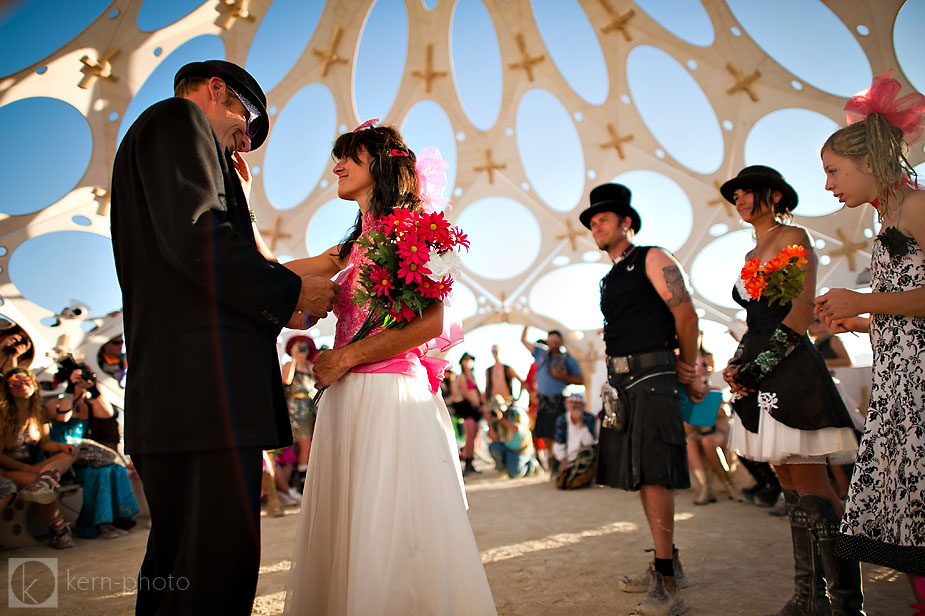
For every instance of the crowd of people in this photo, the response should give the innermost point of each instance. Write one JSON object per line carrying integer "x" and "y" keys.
{"x": 395, "y": 432}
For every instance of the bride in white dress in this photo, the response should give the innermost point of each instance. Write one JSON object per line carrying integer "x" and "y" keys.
{"x": 383, "y": 527}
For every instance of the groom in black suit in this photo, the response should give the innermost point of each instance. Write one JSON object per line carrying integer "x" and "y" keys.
{"x": 202, "y": 312}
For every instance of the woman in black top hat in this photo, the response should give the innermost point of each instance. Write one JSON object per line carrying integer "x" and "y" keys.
{"x": 789, "y": 412}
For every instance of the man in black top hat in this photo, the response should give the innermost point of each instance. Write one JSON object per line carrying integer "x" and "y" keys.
{"x": 648, "y": 316}
{"x": 202, "y": 311}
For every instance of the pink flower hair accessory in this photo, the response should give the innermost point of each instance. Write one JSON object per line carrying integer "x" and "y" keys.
{"x": 366, "y": 124}
{"x": 905, "y": 113}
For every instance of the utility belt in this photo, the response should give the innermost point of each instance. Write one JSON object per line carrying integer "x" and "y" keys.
{"x": 624, "y": 364}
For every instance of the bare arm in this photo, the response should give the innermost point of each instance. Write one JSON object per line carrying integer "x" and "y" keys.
{"x": 523, "y": 340}
{"x": 841, "y": 359}
{"x": 331, "y": 365}
{"x": 288, "y": 372}
{"x": 326, "y": 264}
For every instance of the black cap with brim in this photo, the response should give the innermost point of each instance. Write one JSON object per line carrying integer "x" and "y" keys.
{"x": 242, "y": 83}
{"x": 611, "y": 198}
{"x": 758, "y": 176}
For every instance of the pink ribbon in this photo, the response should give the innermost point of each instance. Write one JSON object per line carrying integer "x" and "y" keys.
{"x": 412, "y": 364}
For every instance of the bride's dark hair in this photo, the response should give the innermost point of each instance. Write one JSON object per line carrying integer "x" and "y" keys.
{"x": 391, "y": 164}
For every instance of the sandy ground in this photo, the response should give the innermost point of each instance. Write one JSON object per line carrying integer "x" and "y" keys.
{"x": 545, "y": 552}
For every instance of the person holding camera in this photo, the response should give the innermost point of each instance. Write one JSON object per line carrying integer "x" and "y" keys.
{"x": 574, "y": 444}
{"x": 511, "y": 444}
{"x": 28, "y": 456}
{"x": 555, "y": 370}
{"x": 16, "y": 350}
{"x": 109, "y": 505}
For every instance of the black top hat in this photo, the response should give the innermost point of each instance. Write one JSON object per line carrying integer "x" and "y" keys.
{"x": 759, "y": 176}
{"x": 611, "y": 198}
{"x": 242, "y": 83}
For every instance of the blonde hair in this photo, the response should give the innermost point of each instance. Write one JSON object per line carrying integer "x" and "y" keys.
{"x": 882, "y": 144}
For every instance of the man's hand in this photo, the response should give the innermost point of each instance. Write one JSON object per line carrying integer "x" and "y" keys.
{"x": 729, "y": 375}
{"x": 696, "y": 392}
{"x": 685, "y": 371}
{"x": 317, "y": 295}
{"x": 329, "y": 366}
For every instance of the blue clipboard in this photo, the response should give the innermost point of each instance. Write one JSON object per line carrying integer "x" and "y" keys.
{"x": 702, "y": 413}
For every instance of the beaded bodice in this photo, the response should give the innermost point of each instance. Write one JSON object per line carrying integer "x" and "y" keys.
{"x": 350, "y": 316}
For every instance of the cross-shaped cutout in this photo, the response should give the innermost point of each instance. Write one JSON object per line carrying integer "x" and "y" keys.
{"x": 743, "y": 82}
{"x": 275, "y": 233}
{"x": 102, "y": 195}
{"x": 329, "y": 56}
{"x": 526, "y": 60}
{"x": 617, "y": 21}
{"x": 97, "y": 68}
{"x": 232, "y": 10}
{"x": 616, "y": 141}
{"x": 429, "y": 74}
{"x": 490, "y": 167}
{"x": 848, "y": 249}
{"x": 572, "y": 234}
{"x": 721, "y": 200}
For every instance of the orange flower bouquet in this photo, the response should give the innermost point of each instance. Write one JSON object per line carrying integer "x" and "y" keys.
{"x": 780, "y": 279}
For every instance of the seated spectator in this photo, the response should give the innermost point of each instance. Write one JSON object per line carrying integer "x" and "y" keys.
{"x": 29, "y": 457}
{"x": 573, "y": 444}
{"x": 109, "y": 505}
{"x": 511, "y": 444}
{"x": 112, "y": 359}
{"x": 703, "y": 457}
{"x": 8, "y": 491}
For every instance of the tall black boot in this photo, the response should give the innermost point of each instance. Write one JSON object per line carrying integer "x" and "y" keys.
{"x": 808, "y": 586}
{"x": 842, "y": 575}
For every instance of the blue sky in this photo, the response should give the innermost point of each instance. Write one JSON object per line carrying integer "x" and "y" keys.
{"x": 803, "y": 36}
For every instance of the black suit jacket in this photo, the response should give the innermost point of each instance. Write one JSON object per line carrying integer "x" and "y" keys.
{"x": 202, "y": 307}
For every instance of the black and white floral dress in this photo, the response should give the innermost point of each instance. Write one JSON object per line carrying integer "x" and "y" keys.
{"x": 884, "y": 521}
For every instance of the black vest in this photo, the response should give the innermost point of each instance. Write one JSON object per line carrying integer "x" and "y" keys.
{"x": 636, "y": 318}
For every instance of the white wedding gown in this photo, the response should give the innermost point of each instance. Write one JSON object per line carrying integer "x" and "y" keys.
{"x": 383, "y": 527}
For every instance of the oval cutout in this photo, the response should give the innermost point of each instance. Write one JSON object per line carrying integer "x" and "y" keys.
{"x": 810, "y": 26}
{"x": 156, "y": 14}
{"x": 573, "y": 46}
{"x": 38, "y": 260}
{"x": 550, "y": 150}
{"x": 907, "y": 42}
{"x": 686, "y": 19}
{"x": 571, "y": 295}
{"x": 284, "y": 32}
{"x": 428, "y": 125}
{"x": 53, "y": 145}
{"x": 477, "y": 69}
{"x": 31, "y": 31}
{"x": 717, "y": 266}
{"x": 493, "y": 255}
{"x": 660, "y": 201}
{"x": 380, "y": 59}
{"x": 789, "y": 140}
{"x": 329, "y": 225}
{"x": 699, "y": 144}
{"x": 159, "y": 84}
{"x": 299, "y": 148}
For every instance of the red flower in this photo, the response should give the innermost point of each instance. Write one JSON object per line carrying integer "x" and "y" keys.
{"x": 457, "y": 237}
{"x": 411, "y": 272}
{"x": 413, "y": 249}
{"x": 435, "y": 228}
{"x": 444, "y": 287}
{"x": 399, "y": 220}
{"x": 403, "y": 314}
{"x": 381, "y": 279}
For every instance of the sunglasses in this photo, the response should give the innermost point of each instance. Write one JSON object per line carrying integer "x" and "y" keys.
{"x": 302, "y": 349}
{"x": 252, "y": 112}
{"x": 20, "y": 378}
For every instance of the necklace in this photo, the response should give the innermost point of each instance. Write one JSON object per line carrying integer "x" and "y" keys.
{"x": 623, "y": 254}
{"x": 757, "y": 237}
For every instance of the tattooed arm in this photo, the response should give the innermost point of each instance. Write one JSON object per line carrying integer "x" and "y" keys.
{"x": 665, "y": 274}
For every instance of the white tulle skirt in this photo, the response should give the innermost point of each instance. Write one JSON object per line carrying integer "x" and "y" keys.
{"x": 778, "y": 443}
{"x": 383, "y": 527}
